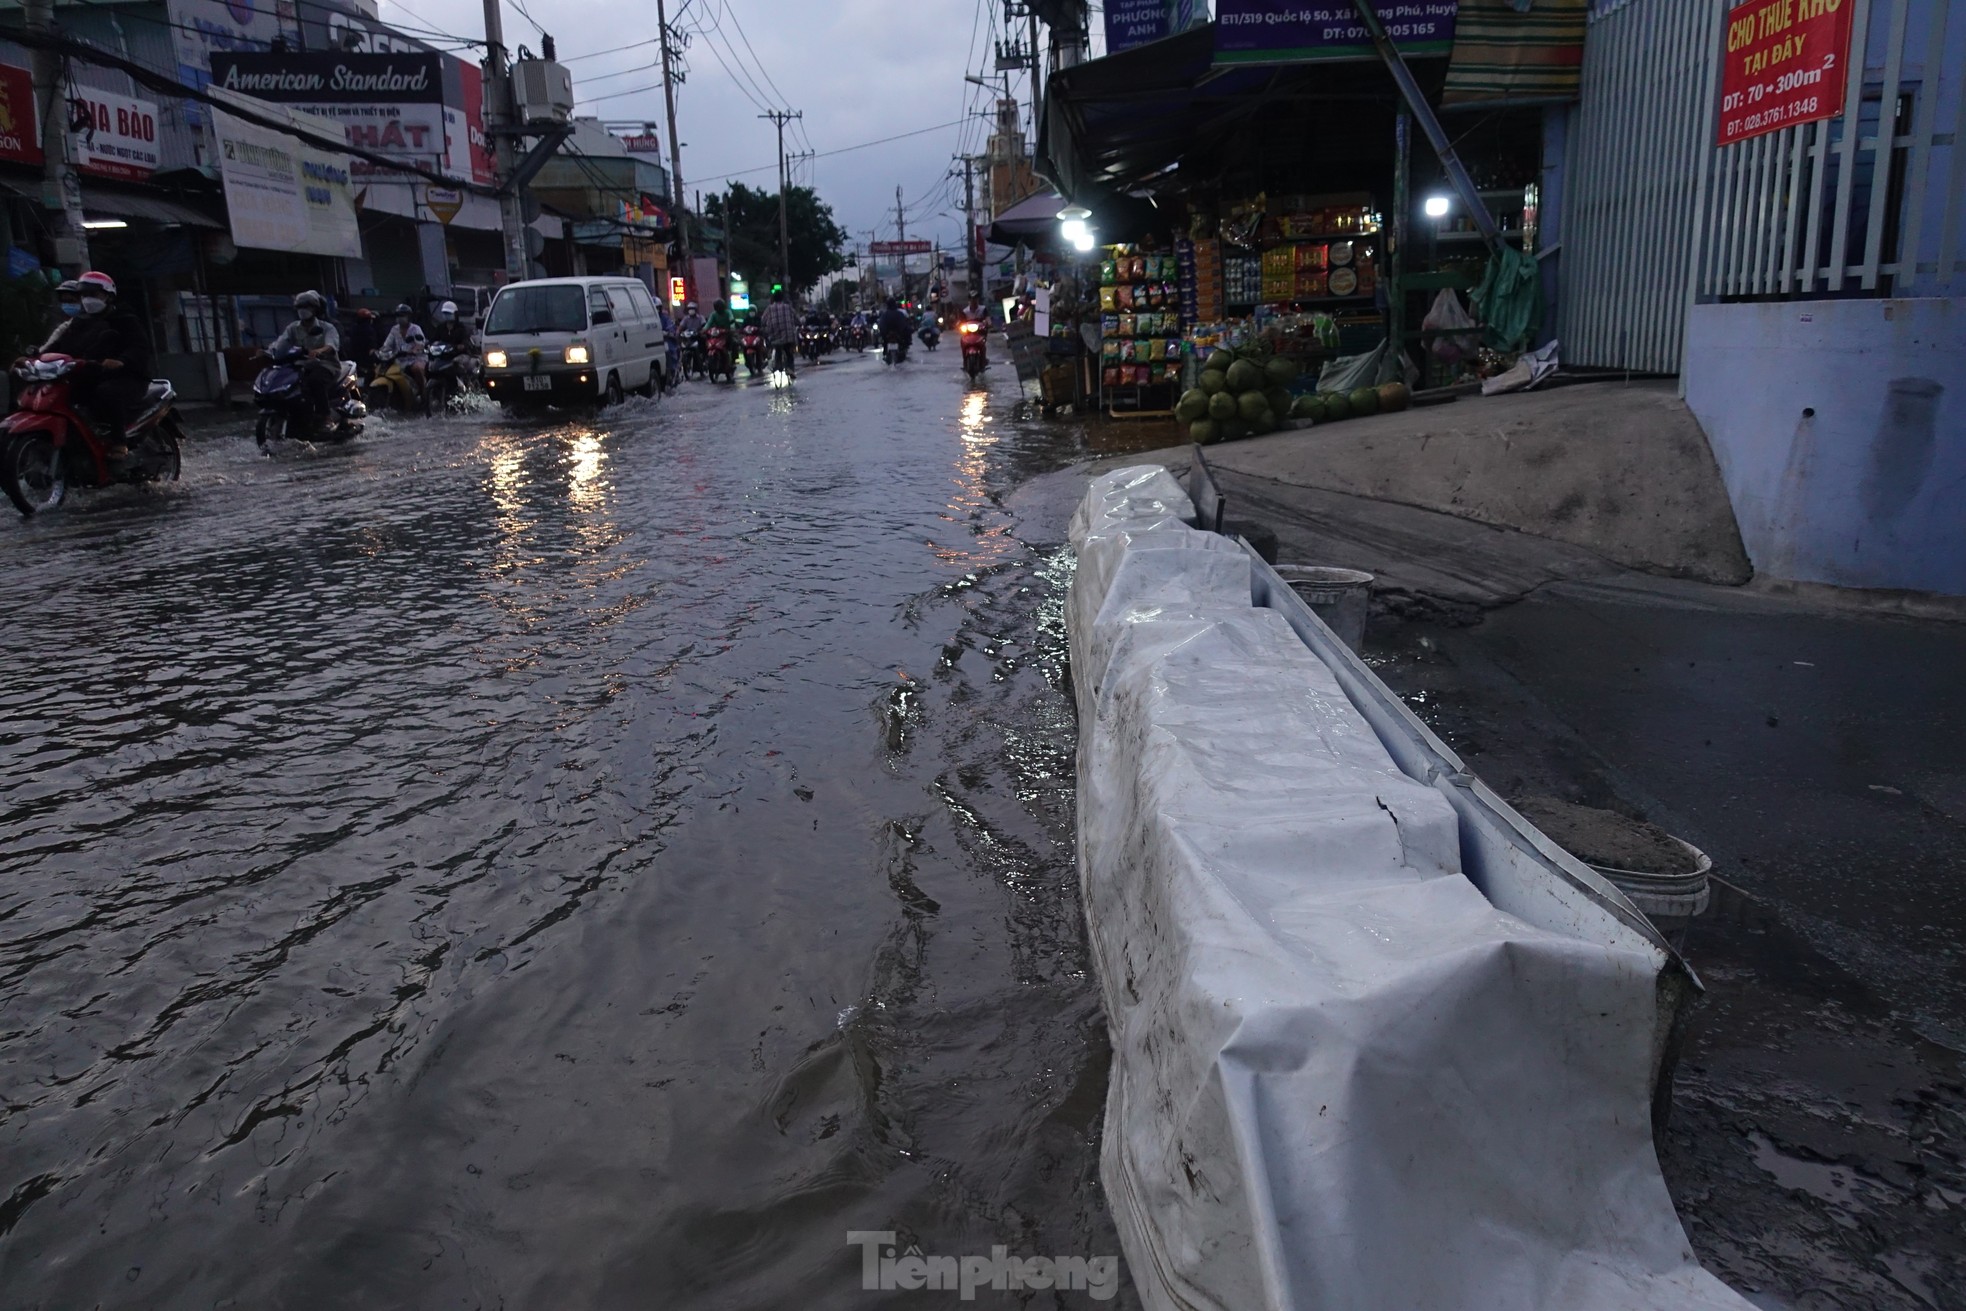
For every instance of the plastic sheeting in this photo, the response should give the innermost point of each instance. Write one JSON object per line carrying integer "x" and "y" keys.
{"x": 1342, "y": 1078}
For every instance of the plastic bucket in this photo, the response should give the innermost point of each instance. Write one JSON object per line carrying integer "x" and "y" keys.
{"x": 1666, "y": 896}
{"x": 1340, "y": 597}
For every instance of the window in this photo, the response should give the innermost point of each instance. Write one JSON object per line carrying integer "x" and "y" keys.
{"x": 624, "y": 308}
{"x": 644, "y": 303}
{"x": 537, "y": 309}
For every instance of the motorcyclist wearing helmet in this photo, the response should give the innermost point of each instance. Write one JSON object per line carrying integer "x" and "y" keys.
{"x": 720, "y": 317}
{"x": 691, "y": 320}
{"x": 895, "y": 327}
{"x": 315, "y": 333}
{"x": 974, "y": 311}
{"x": 452, "y": 331}
{"x": 115, "y": 343}
{"x": 68, "y": 307}
{"x": 406, "y": 345}
{"x": 360, "y": 340}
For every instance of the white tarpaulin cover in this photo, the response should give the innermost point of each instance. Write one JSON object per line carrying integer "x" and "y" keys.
{"x": 1342, "y": 1079}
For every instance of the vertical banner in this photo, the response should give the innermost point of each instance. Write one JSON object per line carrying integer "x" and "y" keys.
{"x": 282, "y": 194}
{"x": 1131, "y": 23}
{"x": 1310, "y": 31}
{"x": 1785, "y": 62}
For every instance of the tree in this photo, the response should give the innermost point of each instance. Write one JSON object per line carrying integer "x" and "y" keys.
{"x": 750, "y": 221}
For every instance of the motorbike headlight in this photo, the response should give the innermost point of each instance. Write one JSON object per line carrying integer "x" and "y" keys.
{"x": 494, "y": 359}
{"x": 577, "y": 353}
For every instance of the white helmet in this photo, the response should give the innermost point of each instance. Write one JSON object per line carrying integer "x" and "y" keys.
{"x": 448, "y": 309}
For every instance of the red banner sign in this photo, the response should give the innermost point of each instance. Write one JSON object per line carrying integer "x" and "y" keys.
{"x": 1786, "y": 62}
{"x": 20, "y": 132}
{"x": 900, "y": 247}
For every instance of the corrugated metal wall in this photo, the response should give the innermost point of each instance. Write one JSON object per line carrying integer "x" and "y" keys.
{"x": 1644, "y": 121}
{"x": 1872, "y": 203}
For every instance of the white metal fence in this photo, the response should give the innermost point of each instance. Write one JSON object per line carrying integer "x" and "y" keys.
{"x": 1869, "y": 204}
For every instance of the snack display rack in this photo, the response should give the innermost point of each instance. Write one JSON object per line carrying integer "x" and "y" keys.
{"x": 1140, "y": 319}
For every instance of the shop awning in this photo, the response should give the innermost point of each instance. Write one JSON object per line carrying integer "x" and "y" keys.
{"x": 147, "y": 206}
{"x": 1129, "y": 122}
{"x": 1030, "y": 219}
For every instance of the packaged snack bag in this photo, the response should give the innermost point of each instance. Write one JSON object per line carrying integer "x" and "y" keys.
{"x": 1109, "y": 298}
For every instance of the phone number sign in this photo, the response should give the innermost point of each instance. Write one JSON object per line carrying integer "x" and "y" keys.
{"x": 1786, "y": 62}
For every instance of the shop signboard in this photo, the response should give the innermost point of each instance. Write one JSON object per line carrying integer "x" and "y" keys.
{"x": 1131, "y": 23}
{"x": 281, "y": 194}
{"x": 1313, "y": 31}
{"x": 444, "y": 202}
{"x": 115, "y": 136}
{"x": 387, "y": 104}
{"x": 901, "y": 247}
{"x": 203, "y": 28}
{"x": 1784, "y": 62}
{"x": 20, "y": 130}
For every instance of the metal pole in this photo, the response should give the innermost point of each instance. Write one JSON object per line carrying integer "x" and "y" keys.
{"x": 61, "y": 191}
{"x": 1417, "y": 101}
{"x": 969, "y": 230}
{"x": 675, "y": 143}
{"x": 779, "y": 118}
{"x": 498, "y": 123}
{"x": 901, "y": 239}
{"x": 1397, "y": 229}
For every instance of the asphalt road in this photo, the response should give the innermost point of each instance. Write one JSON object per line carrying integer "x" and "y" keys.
{"x": 588, "y": 862}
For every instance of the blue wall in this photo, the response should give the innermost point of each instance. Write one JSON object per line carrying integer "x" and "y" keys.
{"x": 1840, "y": 430}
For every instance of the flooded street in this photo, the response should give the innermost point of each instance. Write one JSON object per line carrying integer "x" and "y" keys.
{"x": 588, "y": 863}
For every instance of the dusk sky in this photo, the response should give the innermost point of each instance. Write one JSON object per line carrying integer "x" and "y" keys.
{"x": 861, "y": 70}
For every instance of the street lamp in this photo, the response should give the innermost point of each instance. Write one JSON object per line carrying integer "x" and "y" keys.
{"x": 1436, "y": 207}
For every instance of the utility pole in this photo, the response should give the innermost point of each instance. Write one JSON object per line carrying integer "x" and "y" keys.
{"x": 61, "y": 192}
{"x": 499, "y": 125}
{"x": 779, "y": 118}
{"x": 667, "y": 38}
{"x": 901, "y": 240}
{"x": 973, "y": 260}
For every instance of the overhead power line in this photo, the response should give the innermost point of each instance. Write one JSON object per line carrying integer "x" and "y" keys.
{"x": 842, "y": 150}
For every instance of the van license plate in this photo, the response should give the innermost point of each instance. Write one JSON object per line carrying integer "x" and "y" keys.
{"x": 538, "y": 382}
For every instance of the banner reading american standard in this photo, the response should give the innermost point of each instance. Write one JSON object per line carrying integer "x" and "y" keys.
{"x": 282, "y": 194}
{"x": 1306, "y": 31}
{"x": 388, "y": 104}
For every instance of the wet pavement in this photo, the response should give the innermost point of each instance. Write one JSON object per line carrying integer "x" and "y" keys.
{"x": 595, "y": 862}
{"x": 1817, "y": 1147}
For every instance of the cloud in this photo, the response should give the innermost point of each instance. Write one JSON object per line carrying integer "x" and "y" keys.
{"x": 859, "y": 70}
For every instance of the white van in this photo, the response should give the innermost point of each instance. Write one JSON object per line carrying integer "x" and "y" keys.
{"x": 572, "y": 341}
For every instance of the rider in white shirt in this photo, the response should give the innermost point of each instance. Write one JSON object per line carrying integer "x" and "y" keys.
{"x": 406, "y": 343}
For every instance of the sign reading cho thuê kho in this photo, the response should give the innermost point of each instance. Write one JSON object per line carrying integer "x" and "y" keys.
{"x": 1785, "y": 62}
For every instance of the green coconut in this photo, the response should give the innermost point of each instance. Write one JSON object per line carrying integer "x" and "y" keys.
{"x": 1308, "y": 407}
{"x": 1222, "y": 407}
{"x": 1245, "y": 377}
{"x": 1193, "y": 405}
{"x": 1337, "y": 406}
{"x": 1203, "y": 432}
{"x": 1280, "y": 402}
{"x": 1263, "y": 424}
{"x": 1234, "y": 430}
{"x": 1221, "y": 359}
{"x": 1212, "y": 381}
{"x": 1365, "y": 400}
{"x": 1281, "y": 370}
{"x": 1250, "y": 405}
{"x": 1393, "y": 397}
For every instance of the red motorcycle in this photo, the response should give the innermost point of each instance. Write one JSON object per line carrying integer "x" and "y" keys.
{"x": 47, "y": 447}
{"x": 716, "y": 355}
{"x": 975, "y": 353}
{"x": 754, "y": 348}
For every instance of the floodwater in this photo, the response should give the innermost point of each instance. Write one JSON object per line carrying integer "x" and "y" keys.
{"x": 582, "y": 863}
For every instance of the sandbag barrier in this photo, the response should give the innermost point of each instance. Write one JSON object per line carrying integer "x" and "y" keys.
{"x": 1376, "y": 1043}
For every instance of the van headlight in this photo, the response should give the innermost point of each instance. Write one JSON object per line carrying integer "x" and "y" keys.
{"x": 494, "y": 359}
{"x": 577, "y": 353}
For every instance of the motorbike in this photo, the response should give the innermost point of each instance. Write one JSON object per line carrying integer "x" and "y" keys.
{"x": 929, "y": 333}
{"x": 975, "y": 351}
{"x": 716, "y": 355}
{"x": 286, "y": 411}
{"x": 857, "y": 337}
{"x": 451, "y": 372}
{"x": 47, "y": 447}
{"x": 753, "y": 343}
{"x": 894, "y": 350}
{"x": 694, "y": 364}
{"x": 812, "y": 341}
{"x": 393, "y": 386}
{"x": 781, "y": 366}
